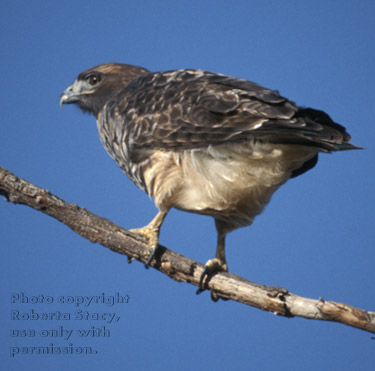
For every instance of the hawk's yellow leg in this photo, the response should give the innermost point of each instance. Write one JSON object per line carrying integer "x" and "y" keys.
{"x": 215, "y": 265}
{"x": 151, "y": 232}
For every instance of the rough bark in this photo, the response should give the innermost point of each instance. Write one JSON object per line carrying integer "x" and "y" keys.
{"x": 225, "y": 285}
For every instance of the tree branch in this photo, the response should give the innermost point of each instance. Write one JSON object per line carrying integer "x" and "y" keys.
{"x": 227, "y": 286}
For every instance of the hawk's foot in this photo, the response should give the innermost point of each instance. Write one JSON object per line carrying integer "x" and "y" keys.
{"x": 212, "y": 267}
{"x": 152, "y": 234}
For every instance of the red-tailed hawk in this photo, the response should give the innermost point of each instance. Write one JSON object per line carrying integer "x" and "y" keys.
{"x": 202, "y": 142}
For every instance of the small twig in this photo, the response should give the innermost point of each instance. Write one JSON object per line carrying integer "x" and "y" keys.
{"x": 227, "y": 286}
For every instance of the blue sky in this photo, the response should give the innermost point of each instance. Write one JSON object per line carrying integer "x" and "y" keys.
{"x": 316, "y": 238}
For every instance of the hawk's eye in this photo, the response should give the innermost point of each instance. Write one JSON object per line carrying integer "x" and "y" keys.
{"x": 94, "y": 79}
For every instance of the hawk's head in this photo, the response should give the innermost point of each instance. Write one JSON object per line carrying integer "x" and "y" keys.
{"x": 94, "y": 87}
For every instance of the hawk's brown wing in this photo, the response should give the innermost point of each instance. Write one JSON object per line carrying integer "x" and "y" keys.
{"x": 188, "y": 109}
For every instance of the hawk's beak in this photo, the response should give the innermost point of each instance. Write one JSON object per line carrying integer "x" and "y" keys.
{"x": 68, "y": 96}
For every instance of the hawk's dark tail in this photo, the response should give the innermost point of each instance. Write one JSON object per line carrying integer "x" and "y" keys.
{"x": 330, "y": 135}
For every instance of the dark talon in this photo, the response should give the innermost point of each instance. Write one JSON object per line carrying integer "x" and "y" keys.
{"x": 199, "y": 291}
{"x": 203, "y": 275}
{"x": 211, "y": 268}
{"x": 214, "y": 296}
{"x": 151, "y": 256}
{"x": 130, "y": 260}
